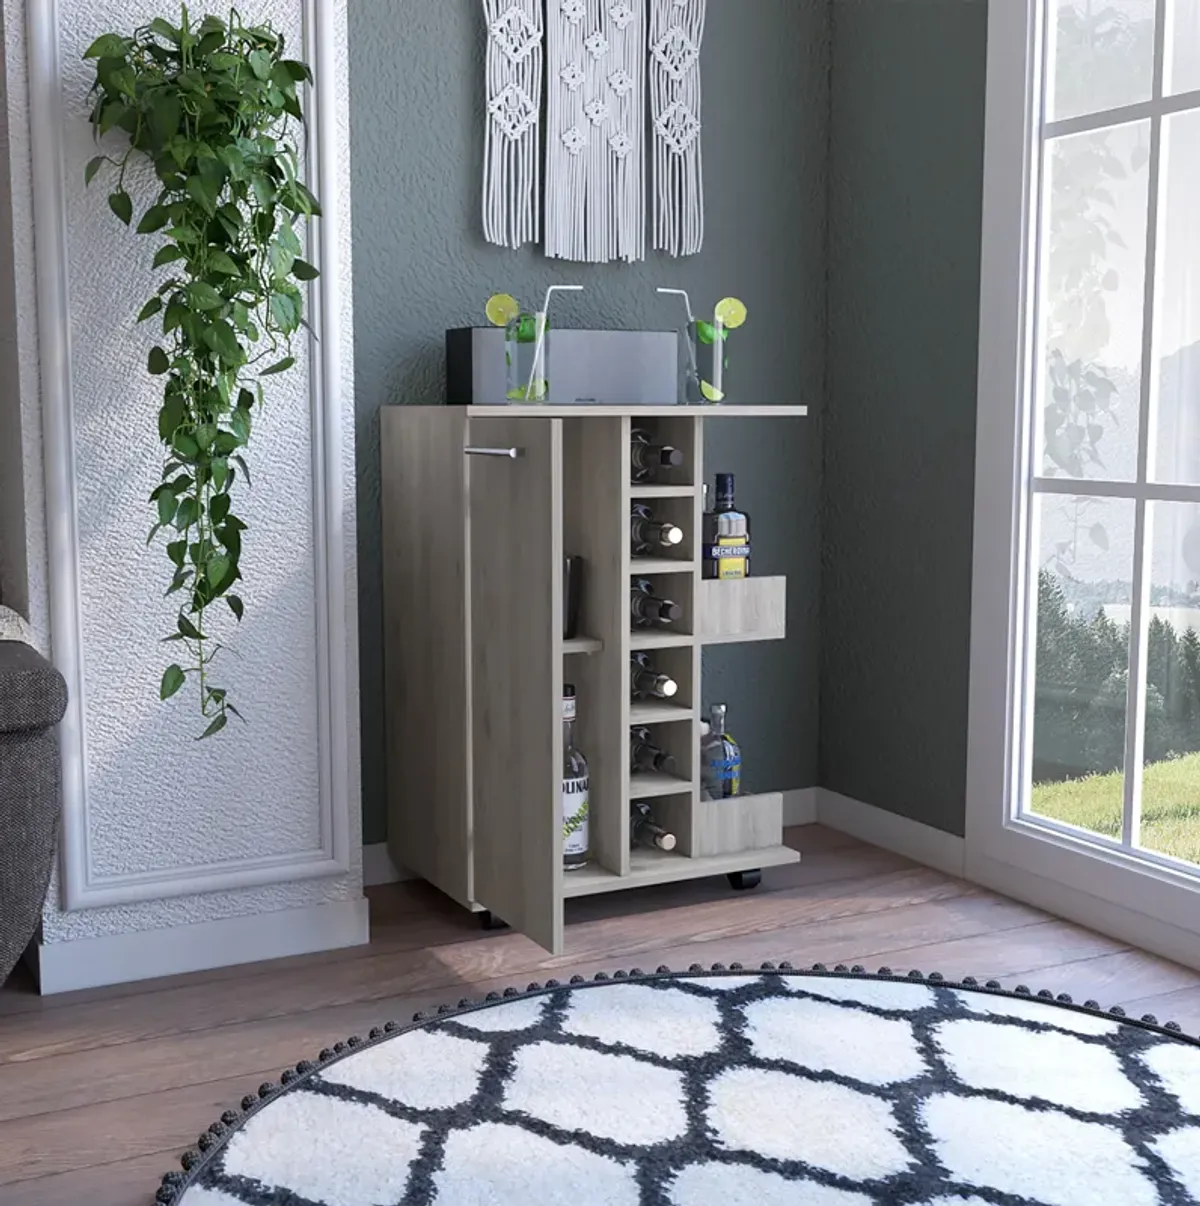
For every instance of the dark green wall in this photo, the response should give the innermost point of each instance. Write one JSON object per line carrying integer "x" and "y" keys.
{"x": 906, "y": 165}
{"x": 421, "y": 265}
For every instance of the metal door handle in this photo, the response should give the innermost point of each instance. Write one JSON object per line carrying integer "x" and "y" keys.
{"x": 511, "y": 454}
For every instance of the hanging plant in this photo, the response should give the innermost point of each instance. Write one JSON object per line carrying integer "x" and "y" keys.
{"x": 210, "y": 107}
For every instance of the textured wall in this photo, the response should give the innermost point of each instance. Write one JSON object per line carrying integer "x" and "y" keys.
{"x": 906, "y": 142}
{"x": 156, "y": 800}
{"x": 421, "y": 265}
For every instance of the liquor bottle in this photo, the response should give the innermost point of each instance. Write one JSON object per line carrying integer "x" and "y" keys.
{"x": 643, "y": 831}
{"x": 648, "y": 536}
{"x": 575, "y": 781}
{"x": 647, "y": 608}
{"x": 647, "y": 456}
{"x": 646, "y": 683}
{"x": 720, "y": 759}
{"x": 646, "y": 755}
{"x": 726, "y": 535}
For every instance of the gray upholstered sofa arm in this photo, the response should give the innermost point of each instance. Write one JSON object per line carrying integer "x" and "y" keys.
{"x": 32, "y": 693}
{"x": 33, "y": 698}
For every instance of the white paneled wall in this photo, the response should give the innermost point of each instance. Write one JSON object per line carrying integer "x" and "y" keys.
{"x": 248, "y": 845}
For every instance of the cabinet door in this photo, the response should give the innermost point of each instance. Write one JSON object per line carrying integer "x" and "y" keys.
{"x": 516, "y": 561}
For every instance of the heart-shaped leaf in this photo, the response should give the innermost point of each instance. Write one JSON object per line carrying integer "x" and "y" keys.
{"x": 172, "y": 680}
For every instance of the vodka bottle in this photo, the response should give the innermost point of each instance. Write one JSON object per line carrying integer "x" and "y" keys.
{"x": 647, "y": 609}
{"x": 647, "y": 535}
{"x": 647, "y": 457}
{"x": 720, "y": 759}
{"x": 646, "y": 683}
{"x": 645, "y": 754}
{"x": 643, "y": 831}
{"x": 574, "y": 791}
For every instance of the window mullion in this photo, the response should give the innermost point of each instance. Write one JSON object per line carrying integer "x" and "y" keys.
{"x": 1139, "y": 618}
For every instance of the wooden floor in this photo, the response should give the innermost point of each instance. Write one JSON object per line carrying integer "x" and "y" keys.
{"x": 100, "y": 1091}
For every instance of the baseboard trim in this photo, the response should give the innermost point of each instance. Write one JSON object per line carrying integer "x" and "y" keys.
{"x": 1140, "y": 930}
{"x": 922, "y": 843}
{"x": 122, "y": 958}
{"x": 800, "y": 806}
{"x": 378, "y": 867}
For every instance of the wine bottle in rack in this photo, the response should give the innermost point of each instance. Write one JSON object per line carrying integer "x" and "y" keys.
{"x": 648, "y": 536}
{"x": 645, "y": 831}
{"x": 645, "y": 754}
{"x": 575, "y": 784}
{"x": 726, "y": 535}
{"x": 647, "y": 609}
{"x": 647, "y": 457}
{"x": 646, "y": 683}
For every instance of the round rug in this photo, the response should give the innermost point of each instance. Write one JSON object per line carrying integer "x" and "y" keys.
{"x": 721, "y": 1088}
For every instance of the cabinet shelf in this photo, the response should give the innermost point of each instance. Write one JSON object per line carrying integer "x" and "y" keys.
{"x": 650, "y": 638}
{"x": 637, "y": 491}
{"x": 639, "y": 567}
{"x": 644, "y": 784}
{"x": 658, "y": 711}
{"x": 648, "y": 867}
{"x": 583, "y": 644}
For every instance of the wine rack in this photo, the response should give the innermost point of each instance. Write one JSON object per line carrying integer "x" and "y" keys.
{"x": 480, "y": 504}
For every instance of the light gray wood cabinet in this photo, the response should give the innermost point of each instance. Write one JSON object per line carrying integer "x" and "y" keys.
{"x": 480, "y": 505}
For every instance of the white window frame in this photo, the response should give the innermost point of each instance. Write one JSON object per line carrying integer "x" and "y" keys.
{"x": 1101, "y": 883}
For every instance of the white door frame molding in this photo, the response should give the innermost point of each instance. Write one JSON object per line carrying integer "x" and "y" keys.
{"x": 82, "y": 888}
{"x": 1102, "y": 886}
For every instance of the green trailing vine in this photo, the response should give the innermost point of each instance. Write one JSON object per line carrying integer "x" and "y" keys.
{"x": 210, "y": 107}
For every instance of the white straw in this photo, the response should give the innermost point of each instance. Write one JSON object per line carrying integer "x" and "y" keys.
{"x": 539, "y": 351}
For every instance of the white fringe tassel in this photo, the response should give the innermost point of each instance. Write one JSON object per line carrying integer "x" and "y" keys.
{"x": 676, "y": 36}
{"x": 595, "y": 139}
{"x": 512, "y": 165}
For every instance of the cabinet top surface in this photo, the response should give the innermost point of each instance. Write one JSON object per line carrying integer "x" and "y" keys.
{"x": 616, "y": 410}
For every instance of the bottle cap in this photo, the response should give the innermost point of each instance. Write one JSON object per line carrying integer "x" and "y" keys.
{"x": 668, "y": 611}
{"x": 670, "y": 458}
{"x": 667, "y": 842}
{"x": 725, "y": 484}
{"x": 568, "y": 691}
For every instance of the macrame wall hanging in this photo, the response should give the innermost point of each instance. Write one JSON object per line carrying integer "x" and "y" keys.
{"x": 512, "y": 163}
{"x": 676, "y": 35}
{"x": 595, "y": 118}
{"x": 601, "y": 60}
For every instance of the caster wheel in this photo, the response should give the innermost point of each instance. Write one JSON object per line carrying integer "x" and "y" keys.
{"x": 743, "y": 881}
{"x": 489, "y": 921}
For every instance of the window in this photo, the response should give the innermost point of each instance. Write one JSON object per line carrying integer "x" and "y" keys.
{"x": 1083, "y": 790}
{"x": 1110, "y": 724}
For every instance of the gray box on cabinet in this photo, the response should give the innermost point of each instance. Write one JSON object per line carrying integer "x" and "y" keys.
{"x": 631, "y": 367}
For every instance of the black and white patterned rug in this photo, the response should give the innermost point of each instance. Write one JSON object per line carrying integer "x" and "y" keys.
{"x": 774, "y": 1088}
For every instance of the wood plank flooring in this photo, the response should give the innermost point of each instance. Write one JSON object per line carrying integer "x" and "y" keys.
{"x": 101, "y": 1090}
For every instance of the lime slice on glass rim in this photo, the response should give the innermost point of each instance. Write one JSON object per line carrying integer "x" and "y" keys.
{"x": 730, "y": 312}
{"x": 711, "y": 393}
{"x": 502, "y": 308}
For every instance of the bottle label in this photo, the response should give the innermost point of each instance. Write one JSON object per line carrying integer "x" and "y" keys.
{"x": 569, "y": 708}
{"x": 732, "y": 555}
{"x": 726, "y": 774}
{"x": 575, "y": 816}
